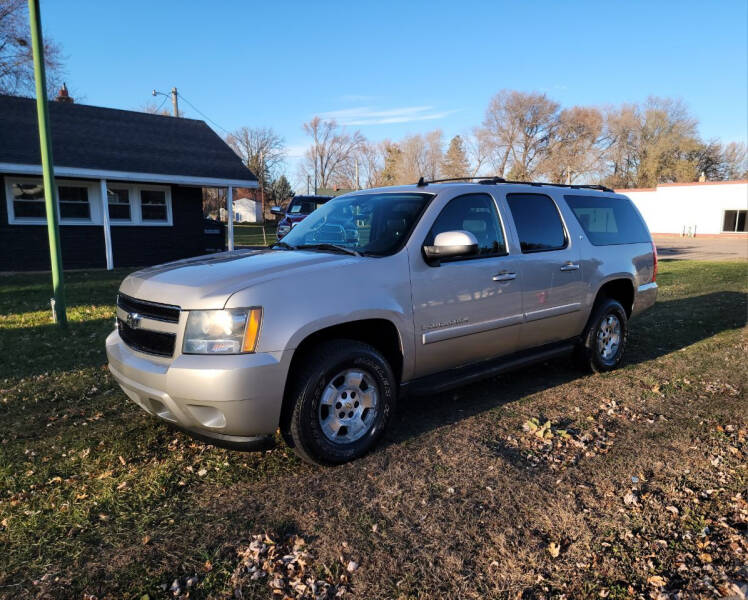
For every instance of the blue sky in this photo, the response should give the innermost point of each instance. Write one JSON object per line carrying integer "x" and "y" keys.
{"x": 392, "y": 68}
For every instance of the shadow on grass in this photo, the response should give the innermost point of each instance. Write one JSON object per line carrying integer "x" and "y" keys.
{"x": 667, "y": 327}
{"x": 29, "y": 351}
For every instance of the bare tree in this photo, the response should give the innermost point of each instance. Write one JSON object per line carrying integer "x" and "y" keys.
{"x": 16, "y": 58}
{"x": 261, "y": 149}
{"x": 480, "y": 150}
{"x": 417, "y": 156}
{"x": 574, "y": 148}
{"x": 520, "y": 126}
{"x": 734, "y": 161}
{"x": 656, "y": 142}
{"x": 332, "y": 152}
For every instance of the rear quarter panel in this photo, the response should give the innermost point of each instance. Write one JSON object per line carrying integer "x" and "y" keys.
{"x": 601, "y": 264}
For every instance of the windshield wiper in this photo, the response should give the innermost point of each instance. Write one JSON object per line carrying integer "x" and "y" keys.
{"x": 282, "y": 244}
{"x": 329, "y": 247}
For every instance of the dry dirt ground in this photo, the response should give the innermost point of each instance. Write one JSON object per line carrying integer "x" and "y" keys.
{"x": 543, "y": 483}
{"x": 702, "y": 248}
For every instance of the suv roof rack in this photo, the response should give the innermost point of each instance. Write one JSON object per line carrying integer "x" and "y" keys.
{"x": 494, "y": 180}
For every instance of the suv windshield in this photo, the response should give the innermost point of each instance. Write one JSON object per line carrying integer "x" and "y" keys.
{"x": 303, "y": 205}
{"x": 366, "y": 223}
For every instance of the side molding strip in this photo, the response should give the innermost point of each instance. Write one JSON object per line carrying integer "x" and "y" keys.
{"x": 554, "y": 311}
{"x": 461, "y": 330}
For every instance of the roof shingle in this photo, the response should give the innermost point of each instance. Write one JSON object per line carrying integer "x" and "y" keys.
{"x": 107, "y": 139}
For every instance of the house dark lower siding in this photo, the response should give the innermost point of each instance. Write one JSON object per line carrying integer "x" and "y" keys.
{"x": 25, "y": 247}
{"x": 128, "y": 186}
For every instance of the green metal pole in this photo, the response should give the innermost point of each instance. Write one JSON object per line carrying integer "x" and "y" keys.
{"x": 45, "y": 142}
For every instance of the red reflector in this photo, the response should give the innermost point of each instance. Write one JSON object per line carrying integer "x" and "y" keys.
{"x": 654, "y": 270}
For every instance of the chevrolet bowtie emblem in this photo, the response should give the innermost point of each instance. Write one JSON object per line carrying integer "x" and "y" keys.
{"x": 133, "y": 320}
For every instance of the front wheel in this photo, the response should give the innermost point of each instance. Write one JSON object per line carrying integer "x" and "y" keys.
{"x": 604, "y": 339}
{"x": 343, "y": 398}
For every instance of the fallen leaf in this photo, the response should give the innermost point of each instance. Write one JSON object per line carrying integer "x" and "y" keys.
{"x": 656, "y": 581}
{"x": 554, "y": 549}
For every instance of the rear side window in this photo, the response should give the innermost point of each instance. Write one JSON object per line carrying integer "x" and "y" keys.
{"x": 477, "y": 214}
{"x": 608, "y": 221}
{"x": 538, "y": 223}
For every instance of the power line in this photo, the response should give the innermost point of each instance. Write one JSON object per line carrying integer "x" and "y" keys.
{"x": 162, "y": 103}
{"x": 202, "y": 114}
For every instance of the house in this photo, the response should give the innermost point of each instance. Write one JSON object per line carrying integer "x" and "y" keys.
{"x": 129, "y": 185}
{"x": 247, "y": 210}
{"x": 701, "y": 208}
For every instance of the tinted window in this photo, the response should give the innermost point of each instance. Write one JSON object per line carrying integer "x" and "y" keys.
{"x": 305, "y": 205}
{"x": 475, "y": 213}
{"x": 538, "y": 223}
{"x": 608, "y": 221}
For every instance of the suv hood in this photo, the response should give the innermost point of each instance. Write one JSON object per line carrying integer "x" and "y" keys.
{"x": 206, "y": 282}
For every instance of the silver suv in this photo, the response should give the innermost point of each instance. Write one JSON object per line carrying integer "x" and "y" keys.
{"x": 377, "y": 294}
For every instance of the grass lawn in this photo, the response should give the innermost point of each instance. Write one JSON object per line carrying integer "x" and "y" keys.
{"x": 540, "y": 483}
{"x": 251, "y": 235}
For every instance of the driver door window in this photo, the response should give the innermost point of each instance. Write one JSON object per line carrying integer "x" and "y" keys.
{"x": 475, "y": 213}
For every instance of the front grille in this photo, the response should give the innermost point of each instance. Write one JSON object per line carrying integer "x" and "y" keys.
{"x": 144, "y": 340}
{"x": 150, "y": 310}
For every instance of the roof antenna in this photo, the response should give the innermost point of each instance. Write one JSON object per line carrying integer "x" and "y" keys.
{"x": 421, "y": 182}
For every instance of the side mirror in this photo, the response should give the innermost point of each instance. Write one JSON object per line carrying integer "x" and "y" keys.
{"x": 451, "y": 244}
{"x": 276, "y": 210}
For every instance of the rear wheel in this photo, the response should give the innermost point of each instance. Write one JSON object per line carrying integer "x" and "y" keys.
{"x": 604, "y": 339}
{"x": 343, "y": 398}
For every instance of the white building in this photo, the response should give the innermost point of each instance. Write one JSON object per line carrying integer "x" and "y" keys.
{"x": 707, "y": 208}
{"x": 247, "y": 210}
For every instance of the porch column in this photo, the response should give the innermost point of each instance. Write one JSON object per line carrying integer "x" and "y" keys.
{"x": 107, "y": 228}
{"x": 230, "y": 216}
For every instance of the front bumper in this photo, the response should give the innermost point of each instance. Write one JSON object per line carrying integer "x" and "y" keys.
{"x": 646, "y": 296}
{"x": 230, "y": 399}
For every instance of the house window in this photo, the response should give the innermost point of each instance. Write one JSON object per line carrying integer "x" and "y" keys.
{"x": 119, "y": 203}
{"x": 153, "y": 205}
{"x": 734, "y": 221}
{"x": 28, "y": 200}
{"x": 74, "y": 202}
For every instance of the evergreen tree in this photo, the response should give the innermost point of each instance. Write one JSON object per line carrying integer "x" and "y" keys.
{"x": 455, "y": 162}
{"x": 281, "y": 191}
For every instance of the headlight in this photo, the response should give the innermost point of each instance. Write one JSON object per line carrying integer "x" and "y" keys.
{"x": 230, "y": 331}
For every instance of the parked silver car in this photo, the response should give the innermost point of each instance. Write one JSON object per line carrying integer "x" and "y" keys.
{"x": 377, "y": 294}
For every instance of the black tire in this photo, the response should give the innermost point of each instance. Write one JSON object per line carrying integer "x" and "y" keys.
{"x": 316, "y": 372}
{"x": 589, "y": 355}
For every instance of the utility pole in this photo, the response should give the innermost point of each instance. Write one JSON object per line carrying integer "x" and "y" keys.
{"x": 262, "y": 188}
{"x": 315, "y": 169}
{"x": 59, "y": 313}
{"x": 308, "y": 178}
{"x": 175, "y": 101}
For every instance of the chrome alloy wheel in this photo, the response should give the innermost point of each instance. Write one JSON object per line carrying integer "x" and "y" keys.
{"x": 348, "y": 406}
{"x": 609, "y": 337}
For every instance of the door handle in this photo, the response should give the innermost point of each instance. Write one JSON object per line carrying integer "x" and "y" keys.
{"x": 504, "y": 276}
{"x": 570, "y": 266}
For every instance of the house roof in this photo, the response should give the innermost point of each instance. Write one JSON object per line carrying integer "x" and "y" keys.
{"x": 107, "y": 141}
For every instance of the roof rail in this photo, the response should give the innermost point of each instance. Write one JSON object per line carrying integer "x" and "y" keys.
{"x": 494, "y": 180}
{"x": 422, "y": 182}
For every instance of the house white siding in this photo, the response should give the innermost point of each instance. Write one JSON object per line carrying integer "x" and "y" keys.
{"x": 247, "y": 210}
{"x": 697, "y": 208}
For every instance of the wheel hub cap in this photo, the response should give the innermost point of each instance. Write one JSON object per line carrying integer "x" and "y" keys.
{"x": 348, "y": 406}
{"x": 609, "y": 337}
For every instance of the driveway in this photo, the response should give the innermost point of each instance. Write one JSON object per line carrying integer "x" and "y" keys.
{"x": 720, "y": 248}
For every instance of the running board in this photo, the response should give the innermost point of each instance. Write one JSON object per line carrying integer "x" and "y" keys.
{"x": 447, "y": 380}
